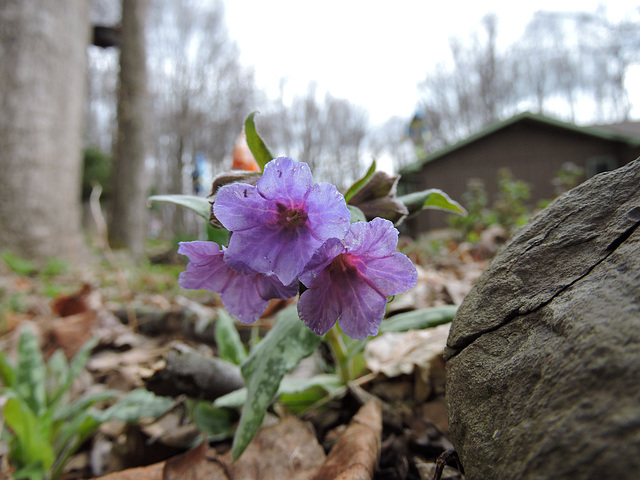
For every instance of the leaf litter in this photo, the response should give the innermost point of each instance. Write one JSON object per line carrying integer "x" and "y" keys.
{"x": 392, "y": 426}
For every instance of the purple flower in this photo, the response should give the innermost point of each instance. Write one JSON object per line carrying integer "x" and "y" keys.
{"x": 351, "y": 279}
{"x": 244, "y": 296}
{"x": 279, "y": 223}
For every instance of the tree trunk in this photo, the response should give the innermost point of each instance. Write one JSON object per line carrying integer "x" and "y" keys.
{"x": 128, "y": 219}
{"x": 42, "y": 78}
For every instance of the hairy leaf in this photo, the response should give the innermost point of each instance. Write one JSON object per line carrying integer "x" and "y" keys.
{"x": 136, "y": 404}
{"x": 230, "y": 347}
{"x": 356, "y": 214}
{"x": 30, "y": 373}
{"x": 431, "y": 199}
{"x": 329, "y": 383}
{"x": 419, "y": 319}
{"x": 288, "y": 342}
{"x": 200, "y": 205}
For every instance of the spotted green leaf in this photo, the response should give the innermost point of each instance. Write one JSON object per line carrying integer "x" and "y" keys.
{"x": 288, "y": 342}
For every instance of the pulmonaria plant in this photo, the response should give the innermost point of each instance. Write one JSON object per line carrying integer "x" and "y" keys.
{"x": 284, "y": 229}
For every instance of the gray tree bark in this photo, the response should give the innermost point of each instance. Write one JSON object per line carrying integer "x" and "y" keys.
{"x": 42, "y": 79}
{"x": 128, "y": 219}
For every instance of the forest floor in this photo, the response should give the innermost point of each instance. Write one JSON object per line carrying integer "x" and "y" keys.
{"x": 140, "y": 314}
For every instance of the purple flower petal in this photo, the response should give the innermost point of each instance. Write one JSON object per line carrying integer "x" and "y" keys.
{"x": 284, "y": 179}
{"x": 243, "y": 296}
{"x": 322, "y": 257}
{"x": 377, "y": 238}
{"x": 362, "y": 315}
{"x": 327, "y": 211}
{"x": 391, "y": 275}
{"x": 239, "y": 206}
{"x": 319, "y": 308}
{"x": 206, "y": 270}
{"x": 351, "y": 280}
{"x": 277, "y": 226}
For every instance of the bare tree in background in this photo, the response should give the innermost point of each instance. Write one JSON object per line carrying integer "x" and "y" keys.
{"x": 308, "y": 127}
{"x": 391, "y": 140}
{"x": 128, "y": 218}
{"x": 42, "y": 79}
{"x": 102, "y": 81}
{"x": 329, "y": 135}
{"x": 346, "y": 128}
{"x": 201, "y": 94}
{"x": 562, "y": 61}
{"x": 477, "y": 91}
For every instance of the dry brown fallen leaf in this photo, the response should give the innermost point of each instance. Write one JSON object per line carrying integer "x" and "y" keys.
{"x": 287, "y": 450}
{"x": 73, "y": 322}
{"x": 196, "y": 464}
{"x": 356, "y": 453}
{"x": 150, "y": 472}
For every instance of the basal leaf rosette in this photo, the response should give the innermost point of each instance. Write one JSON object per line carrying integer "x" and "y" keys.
{"x": 349, "y": 280}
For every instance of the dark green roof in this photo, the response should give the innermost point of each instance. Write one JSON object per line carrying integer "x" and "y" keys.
{"x": 597, "y": 132}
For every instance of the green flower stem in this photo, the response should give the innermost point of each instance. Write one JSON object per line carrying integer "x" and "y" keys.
{"x": 339, "y": 349}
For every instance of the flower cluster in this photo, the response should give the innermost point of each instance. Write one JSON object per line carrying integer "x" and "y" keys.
{"x": 286, "y": 230}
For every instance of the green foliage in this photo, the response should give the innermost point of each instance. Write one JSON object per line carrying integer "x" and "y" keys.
{"x": 17, "y": 264}
{"x": 510, "y": 207}
{"x": 479, "y": 217}
{"x": 568, "y": 177}
{"x": 353, "y": 189}
{"x": 288, "y": 342}
{"x": 356, "y": 214}
{"x": 296, "y": 393}
{"x": 258, "y": 148}
{"x": 55, "y": 267}
{"x": 156, "y": 278}
{"x": 419, "y": 319}
{"x": 431, "y": 199}
{"x": 217, "y": 422}
{"x": 44, "y": 426}
{"x": 509, "y": 210}
{"x": 199, "y": 205}
{"x": 96, "y": 169}
{"x": 230, "y": 347}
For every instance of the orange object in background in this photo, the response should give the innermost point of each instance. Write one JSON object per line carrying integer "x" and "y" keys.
{"x": 242, "y": 156}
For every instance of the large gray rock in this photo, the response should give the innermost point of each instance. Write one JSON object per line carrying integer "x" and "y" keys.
{"x": 543, "y": 357}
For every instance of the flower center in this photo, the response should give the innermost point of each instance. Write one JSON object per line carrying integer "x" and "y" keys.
{"x": 343, "y": 264}
{"x": 291, "y": 217}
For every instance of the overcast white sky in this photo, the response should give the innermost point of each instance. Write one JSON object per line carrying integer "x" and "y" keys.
{"x": 374, "y": 52}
